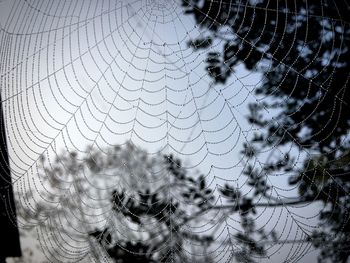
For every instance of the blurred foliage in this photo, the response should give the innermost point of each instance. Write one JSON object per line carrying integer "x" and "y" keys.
{"x": 151, "y": 203}
{"x": 302, "y": 48}
{"x": 171, "y": 210}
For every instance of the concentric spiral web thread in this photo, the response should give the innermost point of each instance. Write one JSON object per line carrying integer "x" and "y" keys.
{"x": 85, "y": 77}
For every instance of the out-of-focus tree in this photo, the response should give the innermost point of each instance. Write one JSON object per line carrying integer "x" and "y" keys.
{"x": 302, "y": 48}
{"x": 131, "y": 206}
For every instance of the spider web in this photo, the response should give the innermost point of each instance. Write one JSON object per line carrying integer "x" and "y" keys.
{"x": 122, "y": 74}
